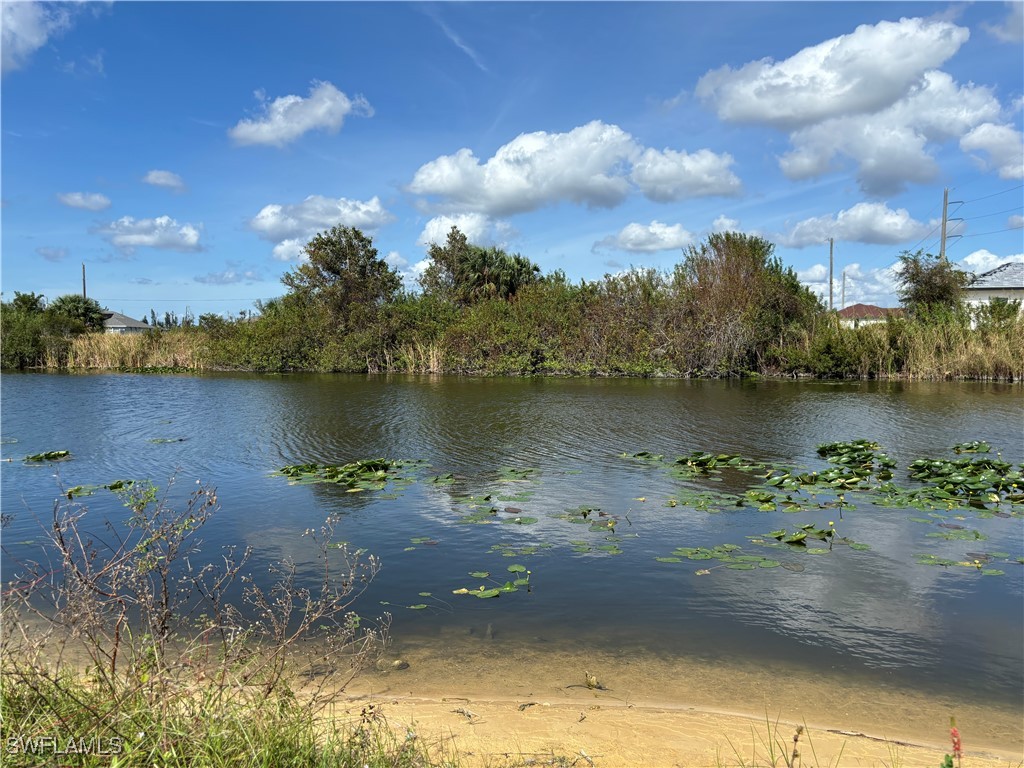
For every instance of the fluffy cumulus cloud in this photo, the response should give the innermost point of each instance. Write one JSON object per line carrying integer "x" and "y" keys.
{"x": 165, "y": 179}
{"x": 286, "y": 118}
{"x": 127, "y": 234}
{"x": 668, "y": 175}
{"x": 89, "y": 201}
{"x": 647, "y": 238}
{"x": 291, "y": 226}
{"x": 874, "y": 97}
{"x": 596, "y": 165}
{"x": 859, "y": 73}
{"x": 26, "y": 28}
{"x": 229, "y": 277}
{"x": 891, "y": 147}
{"x": 477, "y": 228}
{"x": 1015, "y": 222}
{"x": 983, "y": 260}
{"x": 52, "y": 254}
{"x": 873, "y": 223}
{"x": 1004, "y": 146}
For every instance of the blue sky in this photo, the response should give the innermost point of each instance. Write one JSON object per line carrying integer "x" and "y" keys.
{"x": 186, "y": 151}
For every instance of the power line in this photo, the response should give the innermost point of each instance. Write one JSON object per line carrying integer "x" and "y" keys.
{"x": 993, "y": 232}
{"x": 994, "y": 194}
{"x": 988, "y": 215}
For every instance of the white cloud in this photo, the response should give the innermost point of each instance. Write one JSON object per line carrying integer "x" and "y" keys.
{"x": 52, "y": 254}
{"x": 291, "y": 249}
{"x": 874, "y": 96}
{"x": 858, "y": 73}
{"x": 890, "y": 147}
{"x": 477, "y": 228}
{"x": 873, "y": 223}
{"x": 1003, "y": 144}
{"x": 126, "y": 234}
{"x": 1011, "y": 30}
{"x": 724, "y": 224}
{"x": 164, "y": 179}
{"x": 90, "y": 201}
{"x": 815, "y": 274}
{"x": 590, "y": 165}
{"x": 26, "y": 27}
{"x": 286, "y": 118}
{"x": 229, "y": 277}
{"x": 290, "y": 227}
{"x": 647, "y": 238}
{"x": 1015, "y": 222}
{"x": 534, "y": 169}
{"x": 668, "y": 175}
{"x": 983, "y": 260}
{"x": 277, "y": 222}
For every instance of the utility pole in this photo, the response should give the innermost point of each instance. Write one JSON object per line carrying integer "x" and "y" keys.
{"x": 83, "y": 280}
{"x": 945, "y": 218}
{"x": 831, "y": 243}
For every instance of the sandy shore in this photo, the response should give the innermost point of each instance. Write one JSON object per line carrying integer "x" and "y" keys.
{"x": 499, "y": 705}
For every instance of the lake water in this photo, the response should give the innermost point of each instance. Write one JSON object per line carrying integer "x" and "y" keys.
{"x": 874, "y": 617}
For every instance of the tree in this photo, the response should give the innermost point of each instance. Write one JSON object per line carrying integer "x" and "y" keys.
{"x": 32, "y": 303}
{"x": 463, "y": 272}
{"x": 741, "y": 300}
{"x": 439, "y": 278}
{"x": 927, "y": 282}
{"x": 87, "y": 311}
{"x": 343, "y": 272}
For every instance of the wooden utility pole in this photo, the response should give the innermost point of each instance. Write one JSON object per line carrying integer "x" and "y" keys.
{"x": 945, "y": 218}
{"x": 831, "y": 304}
{"x": 83, "y": 280}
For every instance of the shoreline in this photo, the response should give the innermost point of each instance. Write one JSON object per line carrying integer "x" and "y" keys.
{"x": 660, "y": 708}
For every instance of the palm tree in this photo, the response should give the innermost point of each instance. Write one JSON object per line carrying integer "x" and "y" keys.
{"x": 87, "y": 311}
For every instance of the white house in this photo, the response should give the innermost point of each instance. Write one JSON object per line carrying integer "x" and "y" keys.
{"x": 1004, "y": 283}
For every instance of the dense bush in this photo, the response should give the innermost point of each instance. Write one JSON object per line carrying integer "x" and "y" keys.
{"x": 728, "y": 309}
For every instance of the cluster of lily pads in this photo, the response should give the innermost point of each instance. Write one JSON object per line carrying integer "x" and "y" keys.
{"x": 356, "y": 476}
{"x": 519, "y": 579}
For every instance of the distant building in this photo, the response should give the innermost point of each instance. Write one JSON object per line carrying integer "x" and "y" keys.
{"x": 866, "y": 314}
{"x": 115, "y": 322}
{"x": 999, "y": 285}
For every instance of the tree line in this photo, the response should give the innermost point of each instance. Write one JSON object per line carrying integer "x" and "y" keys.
{"x": 730, "y": 307}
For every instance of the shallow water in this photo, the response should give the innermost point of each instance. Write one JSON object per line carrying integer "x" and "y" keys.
{"x": 872, "y": 617}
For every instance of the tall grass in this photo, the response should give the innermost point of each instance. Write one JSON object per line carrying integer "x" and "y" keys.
{"x": 177, "y": 349}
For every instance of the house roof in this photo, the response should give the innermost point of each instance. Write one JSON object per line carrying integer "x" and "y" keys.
{"x": 117, "y": 320}
{"x": 868, "y": 312}
{"x": 1008, "y": 275}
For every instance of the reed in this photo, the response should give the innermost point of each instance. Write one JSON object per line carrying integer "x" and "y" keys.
{"x": 179, "y": 350}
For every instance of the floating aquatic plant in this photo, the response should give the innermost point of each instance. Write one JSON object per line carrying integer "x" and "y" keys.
{"x": 36, "y": 458}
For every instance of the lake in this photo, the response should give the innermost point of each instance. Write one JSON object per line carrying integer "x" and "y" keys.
{"x": 870, "y": 618}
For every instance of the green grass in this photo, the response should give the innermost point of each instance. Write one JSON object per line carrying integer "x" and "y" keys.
{"x": 58, "y": 718}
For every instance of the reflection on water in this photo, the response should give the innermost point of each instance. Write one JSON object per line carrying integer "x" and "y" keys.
{"x": 863, "y": 614}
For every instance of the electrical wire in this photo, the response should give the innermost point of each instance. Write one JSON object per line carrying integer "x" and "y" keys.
{"x": 994, "y": 194}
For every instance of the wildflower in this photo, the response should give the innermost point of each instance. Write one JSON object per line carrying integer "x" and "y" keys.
{"x": 954, "y": 736}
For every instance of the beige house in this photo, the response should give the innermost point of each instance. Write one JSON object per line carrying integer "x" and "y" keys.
{"x": 857, "y": 315}
{"x": 1004, "y": 283}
